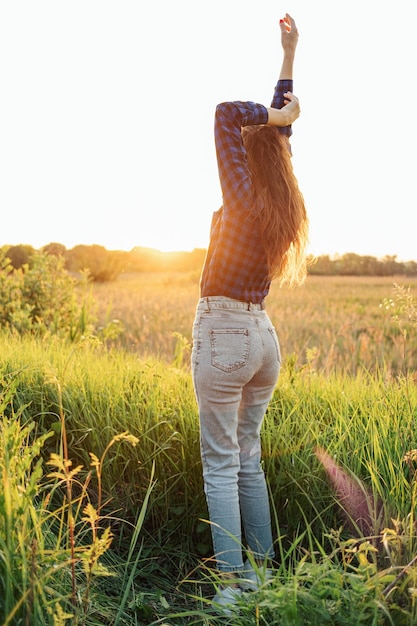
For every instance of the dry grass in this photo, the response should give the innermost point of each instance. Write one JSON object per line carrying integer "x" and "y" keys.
{"x": 332, "y": 323}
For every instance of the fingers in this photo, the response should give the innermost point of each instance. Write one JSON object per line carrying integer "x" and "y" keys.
{"x": 289, "y": 96}
{"x": 283, "y": 26}
{"x": 287, "y": 24}
{"x": 292, "y": 100}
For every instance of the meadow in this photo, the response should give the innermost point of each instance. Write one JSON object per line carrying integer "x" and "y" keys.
{"x": 332, "y": 323}
{"x": 102, "y": 513}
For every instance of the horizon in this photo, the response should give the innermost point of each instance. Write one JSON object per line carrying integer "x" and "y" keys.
{"x": 190, "y": 250}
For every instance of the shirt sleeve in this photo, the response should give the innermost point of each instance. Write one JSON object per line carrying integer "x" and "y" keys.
{"x": 234, "y": 173}
{"x": 282, "y": 87}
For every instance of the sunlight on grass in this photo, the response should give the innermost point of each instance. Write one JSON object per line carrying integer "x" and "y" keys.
{"x": 102, "y": 512}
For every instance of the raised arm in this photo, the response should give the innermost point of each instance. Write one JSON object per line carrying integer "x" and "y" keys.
{"x": 285, "y": 103}
{"x": 289, "y": 40}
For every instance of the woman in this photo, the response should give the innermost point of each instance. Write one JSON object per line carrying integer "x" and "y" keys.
{"x": 259, "y": 234}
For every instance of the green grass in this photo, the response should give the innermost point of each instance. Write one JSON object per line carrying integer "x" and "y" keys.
{"x": 367, "y": 423}
{"x": 150, "y": 495}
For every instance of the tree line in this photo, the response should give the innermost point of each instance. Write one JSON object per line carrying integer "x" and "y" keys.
{"x": 104, "y": 265}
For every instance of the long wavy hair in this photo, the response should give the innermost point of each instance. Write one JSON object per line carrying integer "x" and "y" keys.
{"x": 278, "y": 203}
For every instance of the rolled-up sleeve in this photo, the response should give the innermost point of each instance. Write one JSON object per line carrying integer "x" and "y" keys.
{"x": 282, "y": 87}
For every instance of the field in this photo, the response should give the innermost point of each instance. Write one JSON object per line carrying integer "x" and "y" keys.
{"x": 102, "y": 511}
{"x": 332, "y": 323}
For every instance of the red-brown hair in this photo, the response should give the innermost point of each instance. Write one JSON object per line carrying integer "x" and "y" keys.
{"x": 278, "y": 203}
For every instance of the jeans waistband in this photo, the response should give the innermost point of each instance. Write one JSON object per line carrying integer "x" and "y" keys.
{"x": 222, "y": 302}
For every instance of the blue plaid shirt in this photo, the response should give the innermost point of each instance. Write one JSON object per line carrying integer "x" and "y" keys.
{"x": 236, "y": 264}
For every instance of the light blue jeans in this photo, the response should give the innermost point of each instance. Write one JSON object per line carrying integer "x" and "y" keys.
{"x": 235, "y": 366}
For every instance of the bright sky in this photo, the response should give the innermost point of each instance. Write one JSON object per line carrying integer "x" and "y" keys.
{"x": 106, "y": 118}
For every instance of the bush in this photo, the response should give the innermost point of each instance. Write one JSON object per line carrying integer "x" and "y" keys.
{"x": 41, "y": 299}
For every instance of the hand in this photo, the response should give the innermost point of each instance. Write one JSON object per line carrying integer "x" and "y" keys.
{"x": 288, "y": 114}
{"x": 291, "y": 106}
{"x": 289, "y": 33}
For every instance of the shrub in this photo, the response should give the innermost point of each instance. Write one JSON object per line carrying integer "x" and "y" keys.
{"x": 39, "y": 299}
{"x": 42, "y": 299}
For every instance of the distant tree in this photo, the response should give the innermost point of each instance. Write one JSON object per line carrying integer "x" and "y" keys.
{"x": 391, "y": 265}
{"x": 56, "y": 249}
{"x": 352, "y": 264}
{"x": 102, "y": 265}
{"x": 196, "y": 259}
{"x": 410, "y": 268}
{"x": 147, "y": 260}
{"x": 322, "y": 266}
{"x": 20, "y": 255}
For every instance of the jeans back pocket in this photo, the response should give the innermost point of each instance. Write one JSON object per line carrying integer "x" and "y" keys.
{"x": 229, "y": 348}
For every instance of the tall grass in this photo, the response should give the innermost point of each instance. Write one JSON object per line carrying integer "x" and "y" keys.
{"x": 52, "y": 537}
{"x": 94, "y": 505}
{"x": 367, "y": 423}
{"x": 332, "y": 323}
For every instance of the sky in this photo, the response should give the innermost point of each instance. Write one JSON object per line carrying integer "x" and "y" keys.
{"x": 106, "y": 118}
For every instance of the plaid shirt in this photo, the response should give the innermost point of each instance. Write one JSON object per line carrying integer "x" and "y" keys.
{"x": 236, "y": 264}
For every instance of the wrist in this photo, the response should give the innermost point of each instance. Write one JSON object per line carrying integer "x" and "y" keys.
{"x": 278, "y": 117}
{"x": 289, "y": 54}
